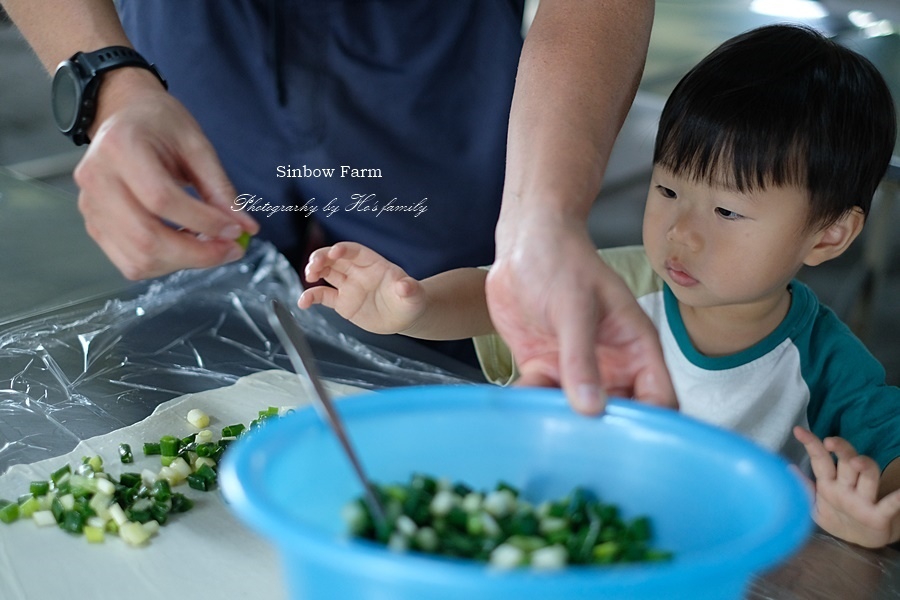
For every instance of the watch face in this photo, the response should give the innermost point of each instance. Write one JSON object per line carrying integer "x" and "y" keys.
{"x": 66, "y": 95}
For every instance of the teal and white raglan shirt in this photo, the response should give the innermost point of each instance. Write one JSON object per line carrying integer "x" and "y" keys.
{"x": 811, "y": 371}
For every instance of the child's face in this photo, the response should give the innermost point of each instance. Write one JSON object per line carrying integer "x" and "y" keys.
{"x": 718, "y": 247}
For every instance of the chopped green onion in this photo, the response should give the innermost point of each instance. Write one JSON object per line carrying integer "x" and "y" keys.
{"x": 93, "y": 534}
{"x": 125, "y": 454}
{"x": 9, "y": 511}
{"x": 58, "y": 475}
{"x": 151, "y": 448}
{"x": 39, "y": 488}
{"x": 198, "y": 418}
{"x": 232, "y": 430}
{"x": 169, "y": 445}
{"x": 501, "y": 528}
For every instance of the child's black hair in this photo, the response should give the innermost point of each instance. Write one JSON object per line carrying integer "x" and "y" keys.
{"x": 783, "y": 105}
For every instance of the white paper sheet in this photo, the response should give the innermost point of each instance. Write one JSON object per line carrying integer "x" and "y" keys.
{"x": 203, "y": 553}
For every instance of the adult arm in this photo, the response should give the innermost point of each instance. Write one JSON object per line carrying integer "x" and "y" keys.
{"x": 568, "y": 319}
{"x": 146, "y": 148}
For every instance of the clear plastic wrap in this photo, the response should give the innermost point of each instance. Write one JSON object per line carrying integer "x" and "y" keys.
{"x": 88, "y": 369}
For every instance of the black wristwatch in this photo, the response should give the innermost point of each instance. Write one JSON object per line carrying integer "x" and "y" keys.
{"x": 77, "y": 81}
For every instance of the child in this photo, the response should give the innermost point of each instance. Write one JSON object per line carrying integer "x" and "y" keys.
{"x": 767, "y": 157}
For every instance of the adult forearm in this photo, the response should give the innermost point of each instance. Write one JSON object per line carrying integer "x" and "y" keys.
{"x": 578, "y": 73}
{"x": 56, "y": 29}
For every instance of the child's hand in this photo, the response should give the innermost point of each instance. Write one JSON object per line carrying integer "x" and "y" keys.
{"x": 369, "y": 291}
{"x": 847, "y": 504}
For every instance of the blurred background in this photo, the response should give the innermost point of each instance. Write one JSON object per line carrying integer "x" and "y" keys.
{"x": 36, "y": 165}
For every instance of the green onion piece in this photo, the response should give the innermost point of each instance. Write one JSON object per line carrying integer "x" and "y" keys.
{"x": 96, "y": 463}
{"x": 243, "y": 240}
{"x": 151, "y": 448}
{"x": 181, "y": 503}
{"x": 29, "y": 507}
{"x": 232, "y": 430}
{"x": 130, "y": 480}
{"x": 197, "y": 482}
{"x": 272, "y": 411}
{"x": 57, "y": 475}
{"x": 207, "y": 473}
{"x": 160, "y": 512}
{"x": 206, "y": 450}
{"x": 169, "y": 445}
{"x": 93, "y": 535}
{"x": 57, "y": 509}
{"x": 161, "y": 491}
{"x": 125, "y": 454}
{"x": 138, "y": 515}
{"x": 39, "y": 488}
{"x": 73, "y": 521}
{"x": 9, "y": 511}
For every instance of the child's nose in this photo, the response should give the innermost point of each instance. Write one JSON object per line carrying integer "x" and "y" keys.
{"x": 684, "y": 230}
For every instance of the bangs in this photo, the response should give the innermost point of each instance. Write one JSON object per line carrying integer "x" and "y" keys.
{"x": 737, "y": 146}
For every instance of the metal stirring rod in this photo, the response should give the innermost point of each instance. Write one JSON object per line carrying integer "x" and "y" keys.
{"x": 298, "y": 350}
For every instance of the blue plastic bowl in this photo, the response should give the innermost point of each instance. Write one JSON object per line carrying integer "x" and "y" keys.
{"x": 724, "y": 506}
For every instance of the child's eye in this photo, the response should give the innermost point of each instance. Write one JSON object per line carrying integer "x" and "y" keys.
{"x": 728, "y": 214}
{"x": 666, "y": 192}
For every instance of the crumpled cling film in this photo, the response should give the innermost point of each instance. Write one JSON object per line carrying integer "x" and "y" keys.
{"x": 91, "y": 369}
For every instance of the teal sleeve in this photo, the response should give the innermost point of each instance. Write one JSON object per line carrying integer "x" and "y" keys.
{"x": 848, "y": 393}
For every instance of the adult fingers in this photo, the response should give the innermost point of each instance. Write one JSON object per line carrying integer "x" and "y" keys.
{"x": 578, "y": 362}
{"x": 535, "y": 377}
{"x": 138, "y": 243}
{"x": 162, "y": 195}
{"x": 653, "y": 385}
{"x": 212, "y": 184}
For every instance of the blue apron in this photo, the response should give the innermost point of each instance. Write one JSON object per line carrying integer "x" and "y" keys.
{"x": 383, "y": 120}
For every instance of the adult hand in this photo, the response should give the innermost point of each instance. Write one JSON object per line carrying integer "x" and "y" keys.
{"x": 145, "y": 149}
{"x": 571, "y": 321}
{"x": 846, "y": 493}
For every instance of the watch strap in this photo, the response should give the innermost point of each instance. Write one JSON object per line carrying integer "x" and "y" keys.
{"x": 113, "y": 57}
{"x": 90, "y": 67}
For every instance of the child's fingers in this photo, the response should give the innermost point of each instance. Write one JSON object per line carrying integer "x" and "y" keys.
{"x": 318, "y": 261}
{"x": 324, "y": 295}
{"x": 847, "y": 472}
{"x": 319, "y": 256}
{"x": 819, "y": 458}
{"x": 889, "y": 506}
{"x": 869, "y": 476}
{"x": 351, "y": 252}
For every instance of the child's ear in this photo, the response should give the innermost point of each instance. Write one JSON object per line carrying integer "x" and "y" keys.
{"x": 837, "y": 237}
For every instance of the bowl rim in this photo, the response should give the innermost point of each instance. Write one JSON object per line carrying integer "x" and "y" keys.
{"x": 757, "y": 551}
